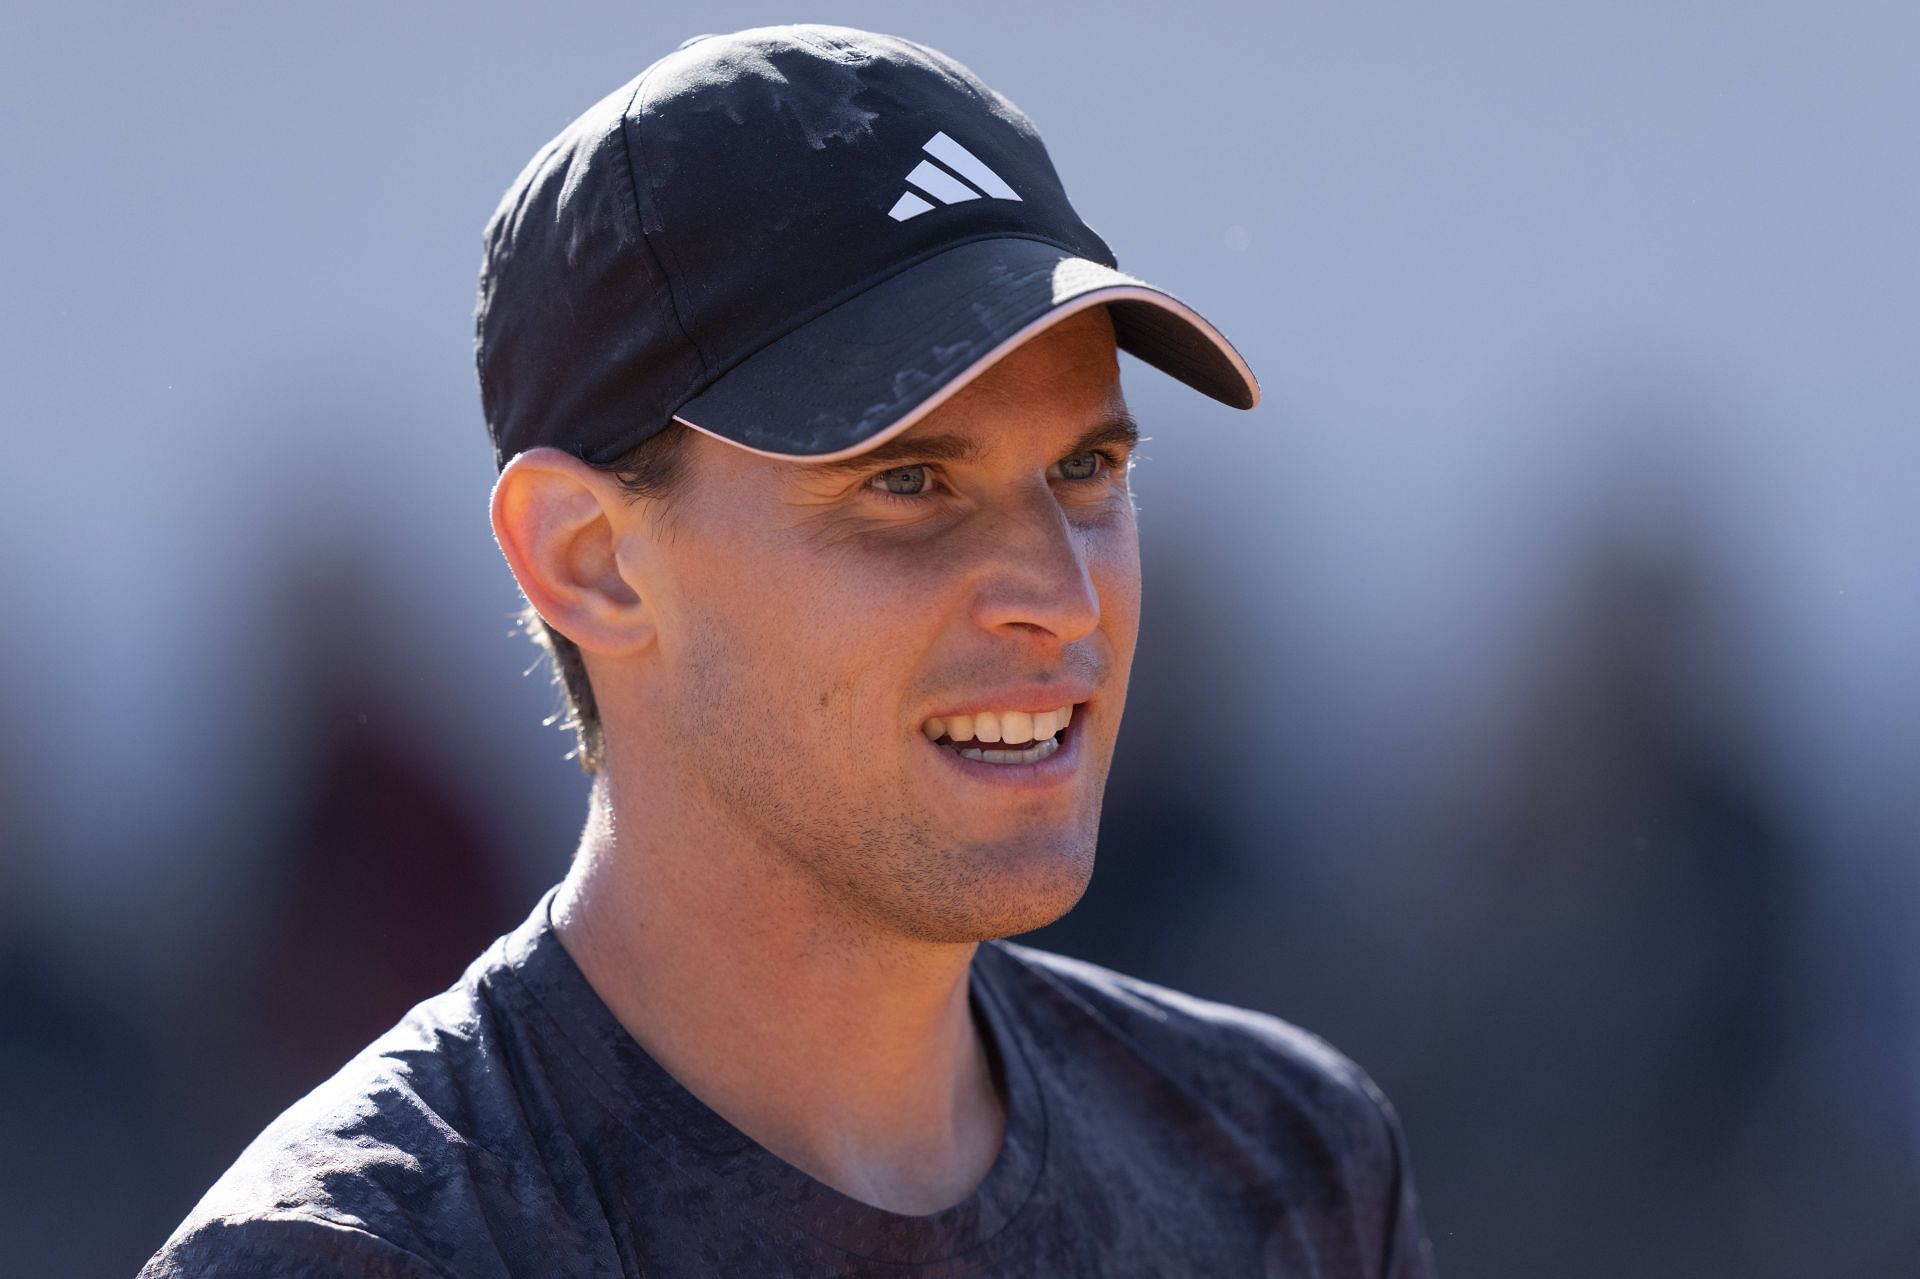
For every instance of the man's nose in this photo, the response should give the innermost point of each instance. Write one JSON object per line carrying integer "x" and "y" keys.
{"x": 1033, "y": 571}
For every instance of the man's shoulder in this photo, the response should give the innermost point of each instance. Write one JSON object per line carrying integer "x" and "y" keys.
{"x": 370, "y": 1161}
{"x": 283, "y": 1243}
{"x": 1297, "y": 1112}
{"x": 1253, "y": 1068}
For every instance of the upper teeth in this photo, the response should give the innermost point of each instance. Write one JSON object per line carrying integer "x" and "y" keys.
{"x": 998, "y": 726}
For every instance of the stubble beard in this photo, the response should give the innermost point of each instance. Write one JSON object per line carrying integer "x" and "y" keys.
{"x": 879, "y": 857}
{"x": 876, "y": 855}
{"x": 893, "y": 873}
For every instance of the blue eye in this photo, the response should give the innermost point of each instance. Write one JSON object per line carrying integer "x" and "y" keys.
{"x": 903, "y": 481}
{"x": 1070, "y": 467}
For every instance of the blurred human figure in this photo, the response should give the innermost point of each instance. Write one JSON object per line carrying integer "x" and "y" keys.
{"x": 386, "y": 884}
{"x": 1614, "y": 948}
{"x": 81, "y": 1118}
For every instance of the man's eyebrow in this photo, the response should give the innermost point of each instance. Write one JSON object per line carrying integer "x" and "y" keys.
{"x": 901, "y": 448}
{"x": 1120, "y": 429}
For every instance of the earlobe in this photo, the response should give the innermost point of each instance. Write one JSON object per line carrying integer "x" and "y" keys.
{"x": 558, "y": 522}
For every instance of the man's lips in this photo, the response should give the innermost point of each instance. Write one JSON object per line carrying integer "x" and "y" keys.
{"x": 1048, "y": 762}
{"x": 1017, "y": 733}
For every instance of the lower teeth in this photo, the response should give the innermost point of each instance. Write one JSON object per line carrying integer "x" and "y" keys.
{"x": 1038, "y": 751}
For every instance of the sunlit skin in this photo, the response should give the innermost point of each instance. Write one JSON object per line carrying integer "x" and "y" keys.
{"x": 782, "y": 880}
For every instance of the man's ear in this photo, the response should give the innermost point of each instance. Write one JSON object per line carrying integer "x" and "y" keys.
{"x": 559, "y": 521}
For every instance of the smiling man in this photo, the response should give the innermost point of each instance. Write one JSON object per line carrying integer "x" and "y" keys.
{"x": 801, "y": 371}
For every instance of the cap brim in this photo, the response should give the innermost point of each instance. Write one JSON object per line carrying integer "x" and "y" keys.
{"x": 877, "y": 363}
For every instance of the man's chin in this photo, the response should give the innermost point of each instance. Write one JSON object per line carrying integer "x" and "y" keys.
{"x": 1009, "y": 888}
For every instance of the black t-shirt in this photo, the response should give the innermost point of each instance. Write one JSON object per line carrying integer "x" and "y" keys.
{"x": 511, "y": 1126}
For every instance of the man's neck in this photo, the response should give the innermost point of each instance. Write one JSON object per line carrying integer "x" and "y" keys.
{"x": 852, "y": 1056}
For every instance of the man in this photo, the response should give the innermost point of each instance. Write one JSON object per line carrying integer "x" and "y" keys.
{"x": 801, "y": 371}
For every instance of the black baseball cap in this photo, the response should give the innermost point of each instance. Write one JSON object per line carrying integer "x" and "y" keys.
{"x": 800, "y": 239}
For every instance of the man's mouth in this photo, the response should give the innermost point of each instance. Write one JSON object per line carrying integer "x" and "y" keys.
{"x": 1001, "y": 737}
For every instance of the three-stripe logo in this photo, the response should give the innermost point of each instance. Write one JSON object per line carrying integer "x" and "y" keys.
{"x": 959, "y": 175}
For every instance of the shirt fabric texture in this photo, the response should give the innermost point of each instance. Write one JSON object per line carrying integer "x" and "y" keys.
{"x": 510, "y": 1126}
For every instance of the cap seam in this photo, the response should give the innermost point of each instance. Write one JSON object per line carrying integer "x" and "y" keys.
{"x": 636, "y": 106}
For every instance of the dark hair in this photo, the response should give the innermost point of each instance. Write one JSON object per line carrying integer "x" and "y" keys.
{"x": 652, "y": 468}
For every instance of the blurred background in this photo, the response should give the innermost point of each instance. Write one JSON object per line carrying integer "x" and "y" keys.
{"x": 1525, "y": 700}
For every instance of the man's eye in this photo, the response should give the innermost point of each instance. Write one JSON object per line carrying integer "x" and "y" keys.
{"x": 902, "y": 481}
{"x": 1081, "y": 466}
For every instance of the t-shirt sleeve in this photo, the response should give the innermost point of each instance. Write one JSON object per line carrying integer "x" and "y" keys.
{"x": 284, "y": 1247}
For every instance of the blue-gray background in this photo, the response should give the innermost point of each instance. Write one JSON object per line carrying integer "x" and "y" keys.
{"x": 1525, "y": 699}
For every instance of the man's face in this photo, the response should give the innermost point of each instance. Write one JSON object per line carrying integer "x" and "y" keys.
{"x": 815, "y": 618}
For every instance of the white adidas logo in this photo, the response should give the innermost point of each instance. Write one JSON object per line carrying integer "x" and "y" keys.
{"x": 938, "y": 185}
